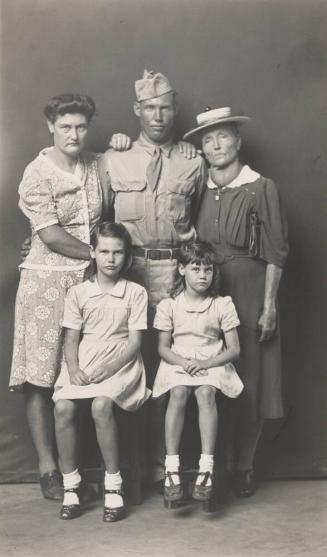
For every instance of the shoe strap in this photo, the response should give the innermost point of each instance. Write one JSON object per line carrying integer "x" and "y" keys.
{"x": 206, "y": 476}
{"x": 72, "y": 490}
{"x": 170, "y": 479}
{"x": 114, "y": 491}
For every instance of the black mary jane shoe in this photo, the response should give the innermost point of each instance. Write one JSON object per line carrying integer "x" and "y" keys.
{"x": 173, "y": 493}
{"x": 113, "y": 514}
{"x": 202, "y": 491}
{"x": 244, "y": 483}
{"x": 68, "y": 512}
{"x": 51, "y": 485}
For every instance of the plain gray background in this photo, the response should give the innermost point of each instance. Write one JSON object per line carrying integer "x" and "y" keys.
{"x": 267, "y": 58}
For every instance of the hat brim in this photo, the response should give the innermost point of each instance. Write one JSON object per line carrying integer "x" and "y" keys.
{"x": 236, "y": 119}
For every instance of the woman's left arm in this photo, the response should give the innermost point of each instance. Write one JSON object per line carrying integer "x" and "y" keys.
{"x": 273, "y": 250}
{"x": 59, "y": 241}
{"x": 267, "y": 321}
{"x": 130, "y": 352}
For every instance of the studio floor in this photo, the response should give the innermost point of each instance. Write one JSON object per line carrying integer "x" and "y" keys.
{"x": 284, "y": 519}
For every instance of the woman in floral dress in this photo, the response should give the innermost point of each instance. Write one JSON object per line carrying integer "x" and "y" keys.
{"x": 60, "y": 194}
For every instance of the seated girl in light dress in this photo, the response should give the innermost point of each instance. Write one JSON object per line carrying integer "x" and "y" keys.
{"x": 198, "y": 341}
{"x": 104, "y": 318}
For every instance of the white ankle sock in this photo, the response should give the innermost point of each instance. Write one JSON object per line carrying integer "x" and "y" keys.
{"x": 113, "y": 481}
{"x": 172, "y": 465}
{"x": 71, "y": 481}
{"x": 206, "y": 463}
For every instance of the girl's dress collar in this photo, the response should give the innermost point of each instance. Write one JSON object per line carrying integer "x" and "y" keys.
{"x": 93, "y": 288}
{"x": 196, "y": 308}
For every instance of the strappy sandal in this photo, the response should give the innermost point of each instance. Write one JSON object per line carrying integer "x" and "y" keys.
{"x": 173, "y": 493}
{"x": 202, "y": 491}
{"x": 68, "y": 512}
{"x": 113, "y": 514}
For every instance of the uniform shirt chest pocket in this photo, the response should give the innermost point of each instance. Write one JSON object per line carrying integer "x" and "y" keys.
{"x": 129, "y": 200}
{"x": 179, "y": 195}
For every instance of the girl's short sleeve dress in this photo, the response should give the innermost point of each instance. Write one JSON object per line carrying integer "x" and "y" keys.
{"x": 197, "y": 332}
{"x": 105, "y": 319}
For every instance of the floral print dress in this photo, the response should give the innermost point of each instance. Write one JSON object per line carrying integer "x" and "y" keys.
{"x": 48, "y": 196}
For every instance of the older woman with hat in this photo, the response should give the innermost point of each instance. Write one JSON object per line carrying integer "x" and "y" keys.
{"x": 242, "y": 216}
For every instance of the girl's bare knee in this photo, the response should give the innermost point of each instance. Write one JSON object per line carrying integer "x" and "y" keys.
{"x": 102, "y": 407}
{"x": 206, "y": 395}
{"x": 64, "y": 410}
{"x": 179, "y": 395}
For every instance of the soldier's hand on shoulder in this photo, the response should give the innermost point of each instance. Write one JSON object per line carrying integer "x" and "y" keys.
{"x": 120, "y": 142}
{"x": 187, "y": 149}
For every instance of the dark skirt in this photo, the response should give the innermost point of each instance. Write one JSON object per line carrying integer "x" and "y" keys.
{"x": 259, "y": 367}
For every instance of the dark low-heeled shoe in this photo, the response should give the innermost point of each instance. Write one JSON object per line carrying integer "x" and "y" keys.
{"x": 202, "y": 491}
{"x": 68, "y": 512}
{"x": 244, "y": 483}
{"x": 173, "y": 493}
{"x": 51, "y": 485}
{"x": 113, "y": 514}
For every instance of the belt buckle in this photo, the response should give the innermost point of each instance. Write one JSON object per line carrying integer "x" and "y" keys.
{"x": 153, "y": 254}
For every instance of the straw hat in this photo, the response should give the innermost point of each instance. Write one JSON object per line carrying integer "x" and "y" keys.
{"x": 214, "y": 117}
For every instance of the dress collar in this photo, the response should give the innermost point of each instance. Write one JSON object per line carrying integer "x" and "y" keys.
{"x": 93, "y": 288}
{"x": 79, "y": 169}
{"x": 196, "y": 308}
{"x": 149, "y": 147}
{"x": 246, "y": 176}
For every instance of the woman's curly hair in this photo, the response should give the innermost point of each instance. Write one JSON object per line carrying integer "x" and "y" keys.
{"x": 69, "y": 103}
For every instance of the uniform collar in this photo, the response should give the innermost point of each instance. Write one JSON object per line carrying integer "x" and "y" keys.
{"x": 149, "y": 147}
{"x": 93, "y": 289}
{"x": 196, "y": 308}
{"x": 246, "y": 176}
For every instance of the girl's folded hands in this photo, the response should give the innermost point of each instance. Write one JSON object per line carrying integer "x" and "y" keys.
{"x": 78, "y": 377}
{"x": 194, "y": 367}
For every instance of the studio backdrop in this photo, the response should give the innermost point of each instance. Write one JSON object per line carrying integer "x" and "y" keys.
{"x": 265, "y": 57}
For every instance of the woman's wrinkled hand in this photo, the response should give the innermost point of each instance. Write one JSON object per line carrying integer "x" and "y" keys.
{"x": 267, "y": 324}
{"x": 120, "y": 142}
{"x": 25, "y": 248}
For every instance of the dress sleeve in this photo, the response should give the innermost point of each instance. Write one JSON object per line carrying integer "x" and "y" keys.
{"x": 36, "y": 200}
{"x": 273, "y": 229}
{"x": 163, "y": 319}
{"x": 73, "y": 318}
{"x": 137, "y": 320}
{"x": 228, "y": 317}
